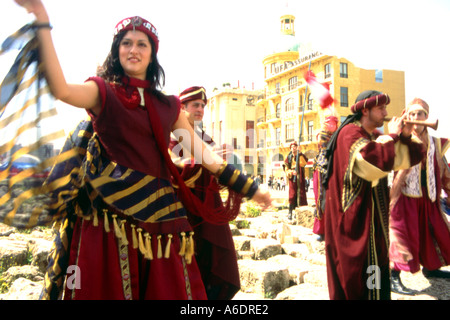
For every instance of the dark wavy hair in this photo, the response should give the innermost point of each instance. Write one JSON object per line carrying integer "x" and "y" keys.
{"x": 112, "y": 70}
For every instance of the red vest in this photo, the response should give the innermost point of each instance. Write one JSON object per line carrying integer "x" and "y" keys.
{"x": 125, "y": 131}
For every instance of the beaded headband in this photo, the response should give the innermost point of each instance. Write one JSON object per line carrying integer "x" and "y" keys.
{"x": 138, "y": 23}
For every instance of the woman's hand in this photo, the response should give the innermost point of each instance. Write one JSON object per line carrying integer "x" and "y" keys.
{"x": 35, "y": 7}
{"x": 263, "y": 199}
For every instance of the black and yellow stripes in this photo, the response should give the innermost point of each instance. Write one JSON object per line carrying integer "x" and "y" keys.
{"x": 27, "y": 110}
{"x": 229, "y": 176}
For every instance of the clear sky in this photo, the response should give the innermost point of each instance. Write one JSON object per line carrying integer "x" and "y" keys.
{"x": 211, "y": 42}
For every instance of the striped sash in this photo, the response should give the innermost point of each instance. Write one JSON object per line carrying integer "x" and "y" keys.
{"x": 99, "y": 183}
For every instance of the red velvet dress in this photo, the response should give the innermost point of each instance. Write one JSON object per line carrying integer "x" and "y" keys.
{"x": 136, "y": 255}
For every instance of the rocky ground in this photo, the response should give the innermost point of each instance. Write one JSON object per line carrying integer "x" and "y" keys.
{"x": 303, "y": 256}
{"x": 278, "y": 259}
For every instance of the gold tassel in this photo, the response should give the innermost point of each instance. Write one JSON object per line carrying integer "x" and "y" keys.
{"x": 95, "y": 223}
{"x": 105, "y": 213}
{"x": 134, "y": 237}
{"x": 148, "y": 245}
{"x": 167, "y": 251}
{"x": 189, "y": 248}
{"x": 124, "y": 233}
{"x": 141, "y": 242}
{"x": 183, "y": 244}
{"x": 159, "y": 254}
{"x": 116, "y": 227}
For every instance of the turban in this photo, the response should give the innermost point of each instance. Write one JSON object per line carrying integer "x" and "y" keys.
{"x": 140, "y": 24}
{"x": 418, "y": 104}
{"x": 369, "y": 99}
{"x": 193, "y": 93}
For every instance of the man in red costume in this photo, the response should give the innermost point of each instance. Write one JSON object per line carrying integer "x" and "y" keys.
{"x": 215, "y": 252}
{"x": 295, "y": 173}
{"x": 420, "y": 231}
{"x": 357, "y": 199}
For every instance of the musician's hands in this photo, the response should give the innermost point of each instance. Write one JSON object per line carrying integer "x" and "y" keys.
{"x": 397, "y": 125}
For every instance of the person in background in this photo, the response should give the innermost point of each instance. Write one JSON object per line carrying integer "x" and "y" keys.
{"x": 420, "y": 231}
{"x": 295, "y": 173}
{"x": 319, "y": 169}
{"x": 215, "y": 253}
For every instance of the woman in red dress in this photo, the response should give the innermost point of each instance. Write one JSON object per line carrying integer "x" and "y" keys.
{"x": 123, "y": 231}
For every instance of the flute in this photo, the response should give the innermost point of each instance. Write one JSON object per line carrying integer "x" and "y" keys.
{"x": 427, "y": 123}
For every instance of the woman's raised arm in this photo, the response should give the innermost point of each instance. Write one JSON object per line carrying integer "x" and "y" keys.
{"x": 84, "y": 95}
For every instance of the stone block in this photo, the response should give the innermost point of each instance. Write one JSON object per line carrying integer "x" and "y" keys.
{"x": 265, "y": 248}
{"x": 263, "y": 278}
{"x": 242, "y": 243}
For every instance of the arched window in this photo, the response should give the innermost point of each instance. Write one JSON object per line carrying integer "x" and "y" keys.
{"x": 278, "y": 110}
{"x": 278, "y": 157}
{"x": 290, "y": 104}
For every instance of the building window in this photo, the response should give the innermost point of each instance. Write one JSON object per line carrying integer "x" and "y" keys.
{"x": 277, "y": 136}
{"x": 250, "y": 134}
{"x": 277, "y": 88}
{"x": 289, "y": 132}
{"x": 310, "y": 130}
{"x": 344, "y": 97}
{"x": 290, "y": 104}
{"x": 310, "y": 102}
{"x": 327, "y": 70}
{"x": 249, "y": 159}
{"x": 379, "y": 76}
{"x": 293, "y": 83}
{"x": 273, "y": 67}
{"x": 343, "y": 70}
{"x": 278, "y": 110}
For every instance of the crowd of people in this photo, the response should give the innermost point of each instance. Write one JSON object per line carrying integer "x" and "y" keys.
{"x": 174, "y": 242}
{"x": 276, "y": 183}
